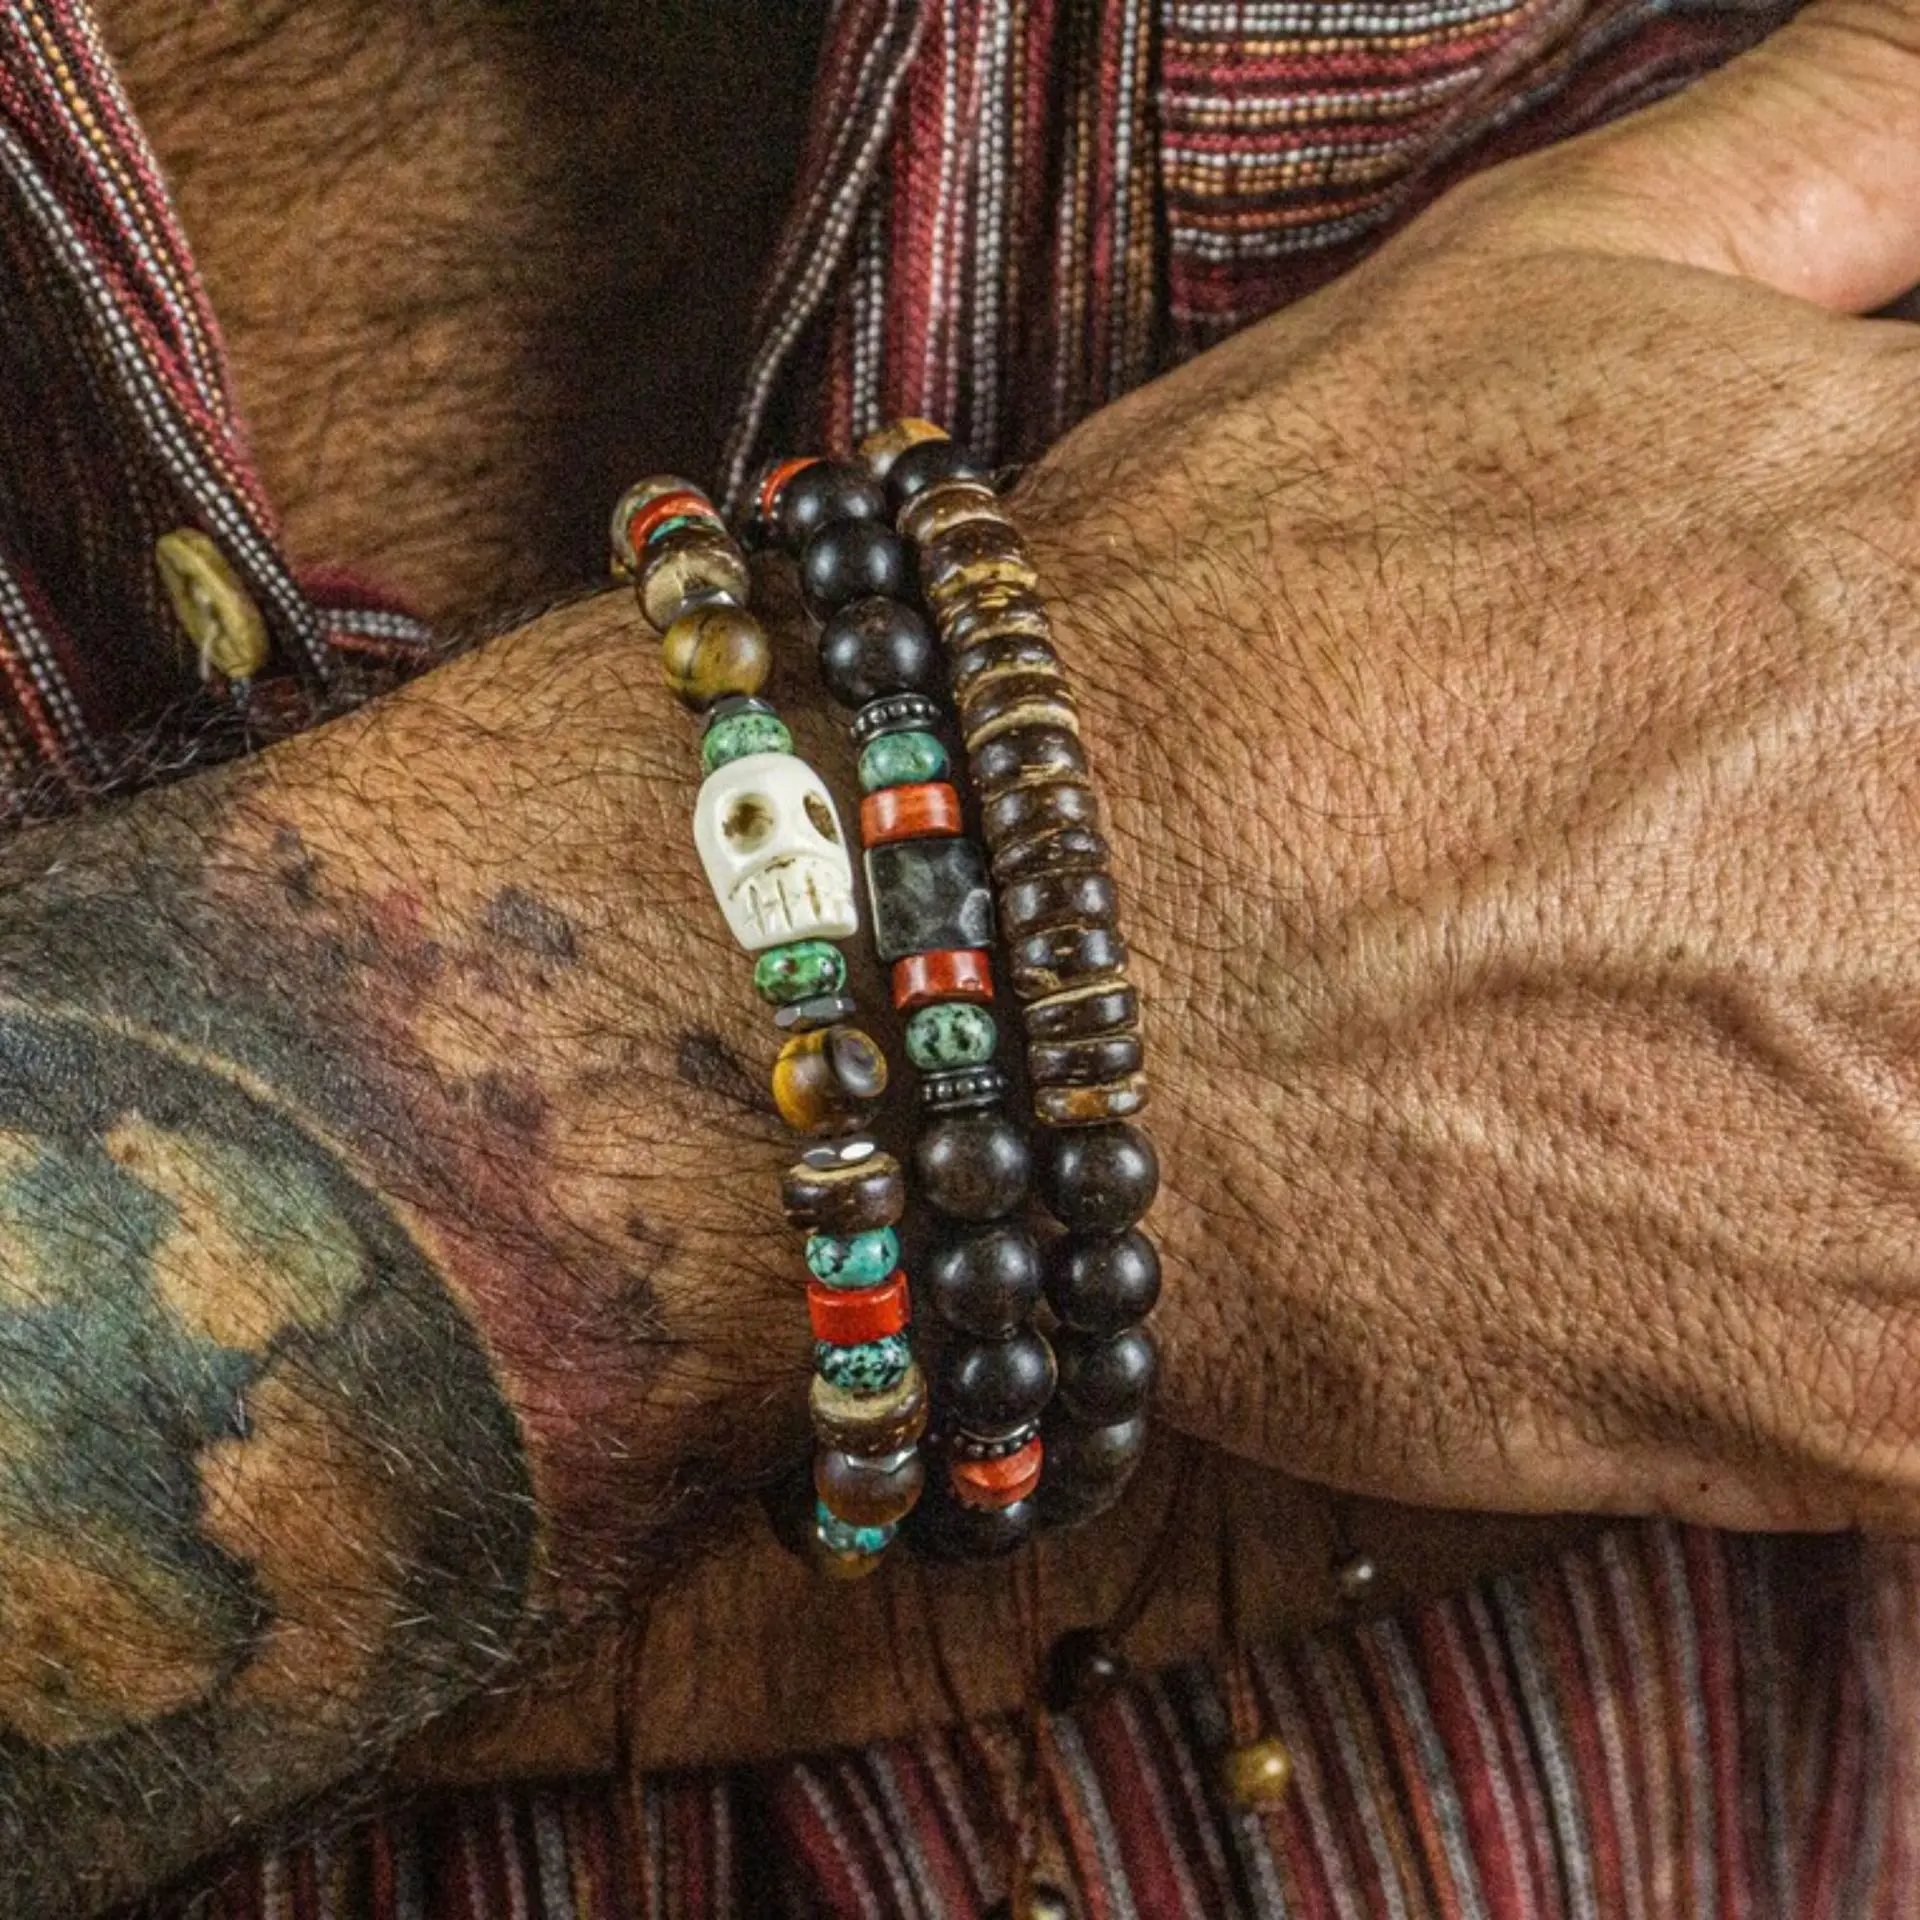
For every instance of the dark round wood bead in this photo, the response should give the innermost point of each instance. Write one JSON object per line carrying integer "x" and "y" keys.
{"x": 1084, "y": 1063}
{"x": 940, "y": 1528}
{"x": 985, "y": 1283}
{"x": 987, "y": 1386}
{"x": 877, "y": 647}
{"x": 1081, "y": 1666}
{"x": 1025, "y": 757}
{"x": 1106, "y": 1376}
{"x": 825, "y": 494}
{"x": 973, "y": 1166}
{"x": 867, "y": 1492}
{"x": 1054, "y": 900}
{"x": 1099, "y": 1179}
{"x": 1039, "y": 964}
{"x": 1110, "y": 1007}
{"x": 1088, "y": 1466}
{"x": 926, "y": 464}
{"x": 825, "y": 1193}
{"x": 1103, "y": 1283}
{"x": 1025, "y": 811}
{"x": 853, "y": 560}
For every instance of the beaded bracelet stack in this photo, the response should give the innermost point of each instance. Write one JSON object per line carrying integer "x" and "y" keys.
{"x": 932, "y": 916}
{"x": 774, "y": 853}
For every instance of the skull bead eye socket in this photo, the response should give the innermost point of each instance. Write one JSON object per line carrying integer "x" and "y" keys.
{"x": 747, "y": 822}
{"x": 824, "y": 824}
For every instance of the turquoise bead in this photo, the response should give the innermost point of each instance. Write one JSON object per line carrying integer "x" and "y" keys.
{"x": 951, "y": 1034}
{"x": 871, "y": 1367}
{"x": 902, "y": 760}
{"x": 732, "y": 736}
{"x": 841, "y": 1536}
{"x": 853, "y": 1260}
{"x": 801, "y": 970}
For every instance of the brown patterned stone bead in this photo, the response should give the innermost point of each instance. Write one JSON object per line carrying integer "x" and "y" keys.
{"x": 1026, "y": 704}
{"x": 824, "y": 1194}
{"x": 687, "y": 567}
{"x": 1097, "y": 1061}
{"x": 1082, "y": 1013}
{"x": 953, "y": 503}
{"x": 980, "y": 554}
{"x": 1005, "y": 611}
{"x": 868, "y": 1490}
{"x": 1027, "y": 757}
{"x": 829, "y": 1081}
{"x": 1053, "y": 901}
{"x": 870, "y": 1423}
{"x": 1026, "y": 811}
{"x": 1042, "y": 963}
{"x": 713, "y": 651}
{"x": 1061, "y": 850}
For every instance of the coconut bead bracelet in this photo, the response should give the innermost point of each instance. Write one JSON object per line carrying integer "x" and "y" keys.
{"x": 1066, "y": 961}
{"x": 773, "y": 851}
{"x": 932, "y": 922}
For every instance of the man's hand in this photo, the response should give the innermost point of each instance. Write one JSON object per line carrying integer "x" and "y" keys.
{"x": 1509, "y": 688}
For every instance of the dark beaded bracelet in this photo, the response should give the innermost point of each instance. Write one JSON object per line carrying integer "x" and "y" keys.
{"x": 1066, "y": 960}
{"x": 774, "y": 853}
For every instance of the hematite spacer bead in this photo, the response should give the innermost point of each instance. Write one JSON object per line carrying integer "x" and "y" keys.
{"x": 1099, "y": 1179}
{"x": 990, "y": 1386}
{"x": 1106, "y": 1376}
{"x": 998, "y": 1483}
{"x": 875, "y": 648}
{"x": 898, "y": 713}
{"x": 1050, "y": 901}
{"x": 851, "y": 560}
{"x": 814, "y": 494}
{"x": 868, "y": 1423}
{"x": 1026, "y": 811}
{"x": 962, "y": 1087}
{"x": 1039, "y": 964}
{"x": 928, "y": 896}
{"x": 985, "y": 1283}
{"x": 1082, "y": 1013}
{"x": 845, "y": 1189}
{"x": 1025, "y": 756}
{"x": 809, "y": 1016}
{"x": 1085, "y": 1063}
{"x": 1097, "y": 1106}
{"x": 973, "y": 1166}
{"x": 1099, "y": 1285}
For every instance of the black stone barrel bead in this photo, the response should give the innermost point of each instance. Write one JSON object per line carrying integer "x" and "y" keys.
{"x": 1087, "y": 1467}
{"x": 929, "y": 896}
{"x": 985, "y": 1283}
{"x": 976, "y": 560}
{"x": 1101, "y": 1283}
{"x": 1004, "y": 656}
{"x": 852, "y": 560}
{"x": 895, "y": 713}
{"x": 840, "y": 1189}
{"x": 1091, "y": 1106}
{"x": 1045, "y": 963}
{"x": 1048, "y": 901}
{"x": 1082, "y": 1013}
{"x": 941, "y": 1529}
{"x": 962, "y": 1088}
{"x": 1099, "y": 1180}
{"x": 1085, "y": 1063}
{"x": 969, "y": 623}
{"x": 990, "y": 1386}
{"x": 973, "y": 1166}
{"x": 1106, "y": 1376}
{"x": 827, "y": 493}
{"x": 877, "y": 647}
{"x": 1055, "y": 850}
{"x": 928, "y": 464}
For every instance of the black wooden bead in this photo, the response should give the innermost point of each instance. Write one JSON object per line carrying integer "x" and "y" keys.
{"x": 1023, "y": 656}
{"x": 1099, "y": 1179}
{"x": 1025, "y": 811}
{"x": 1040, "y": 964}
{"x": 973, "y": 1166}
{"x": 854, "y": 560}
{"x": 827, "y": 493}
{"x": 940, "y": 1528}
{"x": 896, "y": 713}
{"x": 1008, "y": 701}
{"x": 1101, "y": 1284}
{"x": 925, "y": 464}
{"x": 1081, "y": 1666}
{"x": 1025, "y": 756}
{"x": 987, "y": 1386}
{"x": 963, "y": 1087}
{"x": 1106, "y": 1377}
{"x": 1091, "y": 1458}
{"x": 877, "y": 647}
{"x": 1048, "y": 900}
{"x": 1108, "y": 1008}
{"x": 1015, "y": 611}
{"x": 985, "y": 1283}
{"x": 1085, "y": 1063}
{"x": 929, "y": 896}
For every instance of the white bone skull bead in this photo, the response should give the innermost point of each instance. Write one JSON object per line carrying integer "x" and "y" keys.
{"x": 774, "y": 853}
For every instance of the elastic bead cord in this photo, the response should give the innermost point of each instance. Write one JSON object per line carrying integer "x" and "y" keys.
{"x": 932, "y": 922}
{"x": 1065, "y": 959}
{"x": 778, "y": 861}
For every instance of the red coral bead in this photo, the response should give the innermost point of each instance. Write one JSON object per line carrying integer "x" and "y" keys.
{"x": 669, "y": 506}
{"x": 998, "y": 1483}
{"x": 962, "y": 973}
{"x": 925, "y": 810}
{"x": 851, "y": 1316}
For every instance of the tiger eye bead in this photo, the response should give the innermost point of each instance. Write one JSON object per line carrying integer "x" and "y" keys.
{"x": 867, "y": 1491}
{"x": 870, "y": 1423}
{"x": 1100, "y": 1179}
{"x": 689, "y": 568}
{"x": 714, "y": 651}
{"x": 826, "y": 1193}
{"x": 829, "y": 1081}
